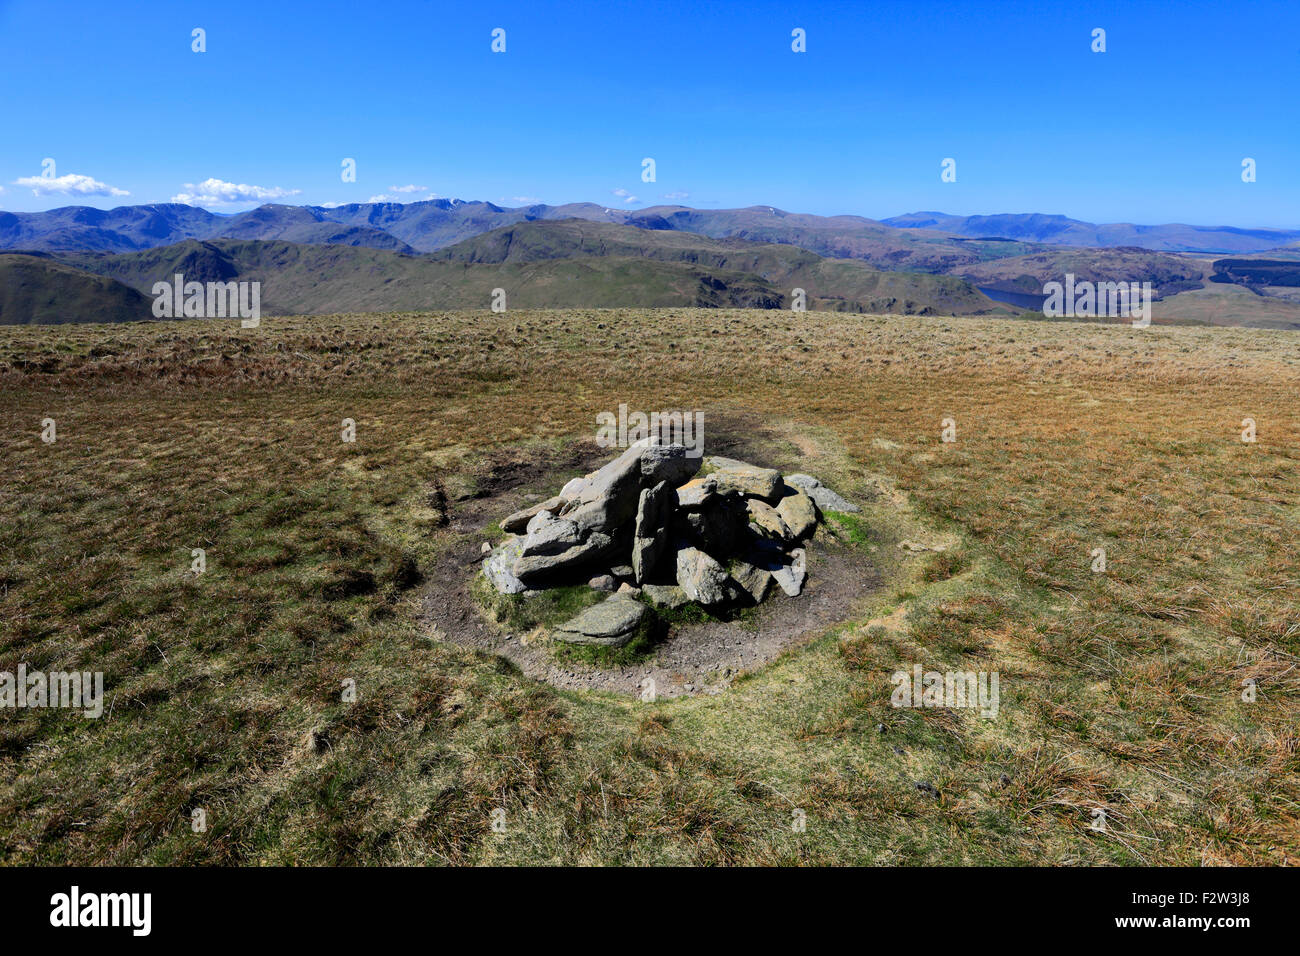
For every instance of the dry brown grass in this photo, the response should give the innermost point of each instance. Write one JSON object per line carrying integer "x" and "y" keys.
{"x": 1120, "y": 691}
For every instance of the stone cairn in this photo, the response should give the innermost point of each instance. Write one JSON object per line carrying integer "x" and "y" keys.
{"x": 646, "y": 526}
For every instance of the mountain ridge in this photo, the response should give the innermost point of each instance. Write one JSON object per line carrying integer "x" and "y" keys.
{"x": 926, "y": 240}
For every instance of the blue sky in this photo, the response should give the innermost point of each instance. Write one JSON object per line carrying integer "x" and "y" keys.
{"x": 1153, "y": 130}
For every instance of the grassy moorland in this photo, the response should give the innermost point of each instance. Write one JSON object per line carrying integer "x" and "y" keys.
{"x": 1120, "y": 691}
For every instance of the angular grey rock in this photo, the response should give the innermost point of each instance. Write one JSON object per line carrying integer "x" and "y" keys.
{"x": 654, "y": 511}
{"x": 531, "y": 568}
{"x": 498, "y": 565}
{"x": 798, "y": 513}
{"x": 755, "y": 580}
{"x": 666, "y": 463}
{"x": 789, "y": 577}
{"x": 628, "y": 590}
{"x": 623, "y": 571}
{"x": 609, "y": 496}
{"x": 517, "y": 523}
{"x": 696, "y": 493}
{"x": 703, "y": 579}
{"x": 611, "y": 623}
{"x": 665, "y": 595}
{"x": 741, "y": 478}
{"x": 573, "y": 487}
{"x": 766, "y": 520}
{"x": 603, "y": 582}
{"x": 548, "y": 534}
{"x": 822, "y": 496}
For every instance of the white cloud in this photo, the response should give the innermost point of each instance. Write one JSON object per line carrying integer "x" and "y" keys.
{"x": 408, "y": 189}
{"x": 525, "y": 200}
{"x": 677, "y": 195}
{"x": 386, "y": 197}
{"x": 624, "y": 195}
{"x": 217, "y": 192}
{"x": 72, "y": 183}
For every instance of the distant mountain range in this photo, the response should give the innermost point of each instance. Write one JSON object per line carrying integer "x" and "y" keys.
{"x": 85, "y": 264}
{"x": 924, "y": 241}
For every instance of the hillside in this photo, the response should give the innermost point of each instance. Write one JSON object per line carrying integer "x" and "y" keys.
{"x": 567, "y": 264}
{"x": 39, "y": 291}
{"x": 1167, "y": 274}
{"x": 843, "y": 285}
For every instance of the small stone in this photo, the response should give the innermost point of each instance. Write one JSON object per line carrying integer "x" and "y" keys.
{"x": 603, "y": 582}
{"x": 485, "y": 548}
{"x": 628, "y": 589}
{"x": 918, "y": 547}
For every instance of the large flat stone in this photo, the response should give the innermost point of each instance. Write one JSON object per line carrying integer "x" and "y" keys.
{"x": 741, "y": 478}
{"x": 548, "y": 534}
{"x": 534, "y": 568}
{"x": 611, "y": 623}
